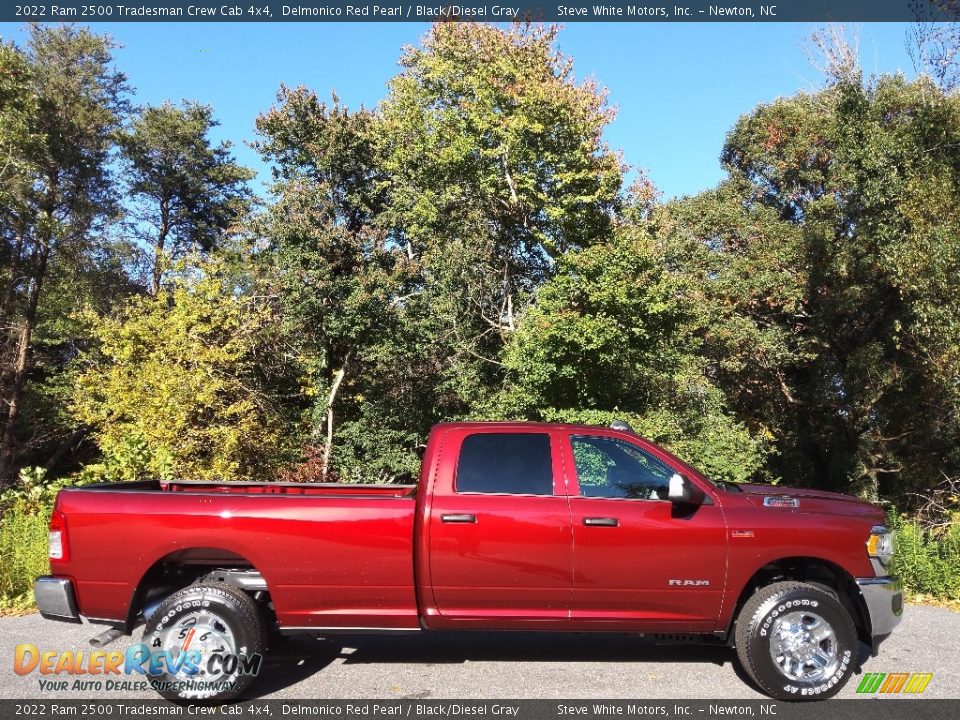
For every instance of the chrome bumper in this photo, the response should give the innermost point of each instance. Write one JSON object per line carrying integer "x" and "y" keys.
{"x": 55, "y": 599}
{"x": 883, "y": 597}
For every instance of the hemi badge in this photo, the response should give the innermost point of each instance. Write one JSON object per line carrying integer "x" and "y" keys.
{"x": 741, "y": 533}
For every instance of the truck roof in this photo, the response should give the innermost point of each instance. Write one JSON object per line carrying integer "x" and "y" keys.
{"x": 525, "y": 424}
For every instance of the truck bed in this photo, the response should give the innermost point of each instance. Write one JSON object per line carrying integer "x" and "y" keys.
{"x": 333, "y": 555}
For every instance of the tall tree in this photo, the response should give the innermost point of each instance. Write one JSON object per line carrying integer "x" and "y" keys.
{"x": 330, "y": 265}
{"x": 495, "y": 167}
{"x": 70, "y": 195}
{"x": 410, "y": 238}
{"x": 19, "y": 151}
{"x": 831, "y": 256}
{"x": 184, "y": 193}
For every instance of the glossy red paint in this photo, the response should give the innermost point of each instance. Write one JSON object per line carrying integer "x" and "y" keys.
{"x": 330, "y": 560}
{"x": 385, "y": 557}
{"x": 513, "y": 565}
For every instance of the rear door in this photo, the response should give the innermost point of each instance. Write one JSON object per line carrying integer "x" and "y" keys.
{"x": 500, "y": 530}
{"x": 640, "y": 561}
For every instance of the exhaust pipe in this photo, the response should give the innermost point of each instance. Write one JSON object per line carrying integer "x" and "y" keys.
{"x": 105, "y": 638}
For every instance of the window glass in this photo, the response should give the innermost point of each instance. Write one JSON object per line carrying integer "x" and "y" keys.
{"x": 517, "y": 463}
{"x": 611, "y": 468}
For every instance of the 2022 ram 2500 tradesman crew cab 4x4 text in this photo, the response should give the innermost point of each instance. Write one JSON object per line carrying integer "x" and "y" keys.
{"x": 512, "y": 526}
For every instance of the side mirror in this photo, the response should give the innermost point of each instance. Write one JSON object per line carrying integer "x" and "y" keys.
{"x": 683, "y": 492}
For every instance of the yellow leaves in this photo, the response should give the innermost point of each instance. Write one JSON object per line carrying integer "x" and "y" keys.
{"x": 172, "y": 370}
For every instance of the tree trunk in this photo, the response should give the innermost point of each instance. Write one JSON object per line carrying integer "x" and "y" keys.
{"x": 158, "y": 246}
{"x": 328, "y": 446}
{"x": 13, "y": 394}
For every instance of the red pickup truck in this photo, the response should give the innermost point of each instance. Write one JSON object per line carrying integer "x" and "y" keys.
{"x": 513, "y": 526}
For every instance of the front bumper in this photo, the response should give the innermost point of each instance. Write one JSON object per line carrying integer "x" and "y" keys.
{"x": 883, "y": 597}
{"x": 55, "y": 599}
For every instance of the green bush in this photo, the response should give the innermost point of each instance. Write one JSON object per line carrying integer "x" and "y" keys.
{"x": 24, "y": 520}
{"x": 23, "y": 552}
{"x": 928, "y": 561}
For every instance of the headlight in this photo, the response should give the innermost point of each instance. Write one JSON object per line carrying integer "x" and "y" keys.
{"x": 880, "y": 544}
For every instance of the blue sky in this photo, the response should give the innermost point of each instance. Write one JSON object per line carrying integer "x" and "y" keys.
{"x": 679, "y": 87}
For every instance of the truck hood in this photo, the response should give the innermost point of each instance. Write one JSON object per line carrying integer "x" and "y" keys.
{"x": 820, "y": 501}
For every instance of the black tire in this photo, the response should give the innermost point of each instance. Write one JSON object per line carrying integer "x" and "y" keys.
{"x": 229, "y": 623}
{"x": 796, "y": 641}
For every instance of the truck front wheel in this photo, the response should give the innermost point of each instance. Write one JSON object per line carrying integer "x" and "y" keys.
{"x": 205, "y": 642}
{"x": 796, "y": 641}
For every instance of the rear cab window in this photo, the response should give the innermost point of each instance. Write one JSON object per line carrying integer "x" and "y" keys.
{"x": 505, "y": 463}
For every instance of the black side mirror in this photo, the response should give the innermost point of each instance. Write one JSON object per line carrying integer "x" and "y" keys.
{"x": 684, "y": 492}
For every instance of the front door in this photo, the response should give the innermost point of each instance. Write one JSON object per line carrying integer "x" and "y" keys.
{"x": 500, "y": 535}
{"x": 638, "y": 558}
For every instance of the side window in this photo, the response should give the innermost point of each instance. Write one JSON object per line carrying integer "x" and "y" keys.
{"x": 611, "y": 468}
{"x": 516, "y": 463}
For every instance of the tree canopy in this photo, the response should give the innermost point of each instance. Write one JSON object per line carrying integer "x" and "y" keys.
{"x": 470, "y": 248}
{"x": 185, "y": 193}
{"x": 830, "y": 257}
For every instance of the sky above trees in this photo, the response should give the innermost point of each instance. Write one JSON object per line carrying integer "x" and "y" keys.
{"x": 679, "y": 88}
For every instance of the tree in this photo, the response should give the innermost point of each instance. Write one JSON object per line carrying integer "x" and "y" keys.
{"x": 495, "y": 166}
{"x": 336, "y": 278}
{"x": 184, "y": 193}
{"x": 60, "y": 209}
{"x": 177, "y": 383}
{"x": 830, "y": 255}
{"x": 614, "y": 335}
{"x": 19, "y": 151}
{"x": 406, "y": 241}
{"x": 934, "y": 44}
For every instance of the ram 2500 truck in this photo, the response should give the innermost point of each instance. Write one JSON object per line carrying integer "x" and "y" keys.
{"x": 512, "y": 526}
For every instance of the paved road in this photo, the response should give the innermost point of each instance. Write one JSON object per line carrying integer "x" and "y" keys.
{"x": 504, "y": 665}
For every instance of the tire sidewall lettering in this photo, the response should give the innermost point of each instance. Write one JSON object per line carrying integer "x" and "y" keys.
{"x": 772, "y": 615}
{"x": 764, "y": 620}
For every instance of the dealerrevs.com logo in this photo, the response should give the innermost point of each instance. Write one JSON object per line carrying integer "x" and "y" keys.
{"x": 893, "y": 683}
{"x": 195, "y": 658}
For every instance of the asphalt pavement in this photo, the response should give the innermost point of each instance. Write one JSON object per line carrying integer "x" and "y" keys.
{"x": 484, "y": 665}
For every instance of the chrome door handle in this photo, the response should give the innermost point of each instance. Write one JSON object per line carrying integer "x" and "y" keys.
{"x": 459, "y": 518}
{"x": 601, "y": 522}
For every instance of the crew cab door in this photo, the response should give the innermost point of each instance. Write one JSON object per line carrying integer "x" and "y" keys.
{"x": 640, "y": 561}
{"x": 500, "y": 538}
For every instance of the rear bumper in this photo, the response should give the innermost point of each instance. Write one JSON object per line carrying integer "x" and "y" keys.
{"x": 883, "y": 597}
{"x": 55, "y": 599}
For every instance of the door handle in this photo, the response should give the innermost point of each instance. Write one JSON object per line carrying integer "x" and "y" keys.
{"x": 601, "y": 522}
{"x": 459, "y": 518}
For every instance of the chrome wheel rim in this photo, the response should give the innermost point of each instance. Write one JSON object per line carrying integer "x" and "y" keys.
{"x": 804, "y": 647}
{"x": 204, "y": 633}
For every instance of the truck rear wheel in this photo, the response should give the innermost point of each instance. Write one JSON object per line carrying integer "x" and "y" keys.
{"x": 796, "y": 641}
{"x": 206, "y": 643}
